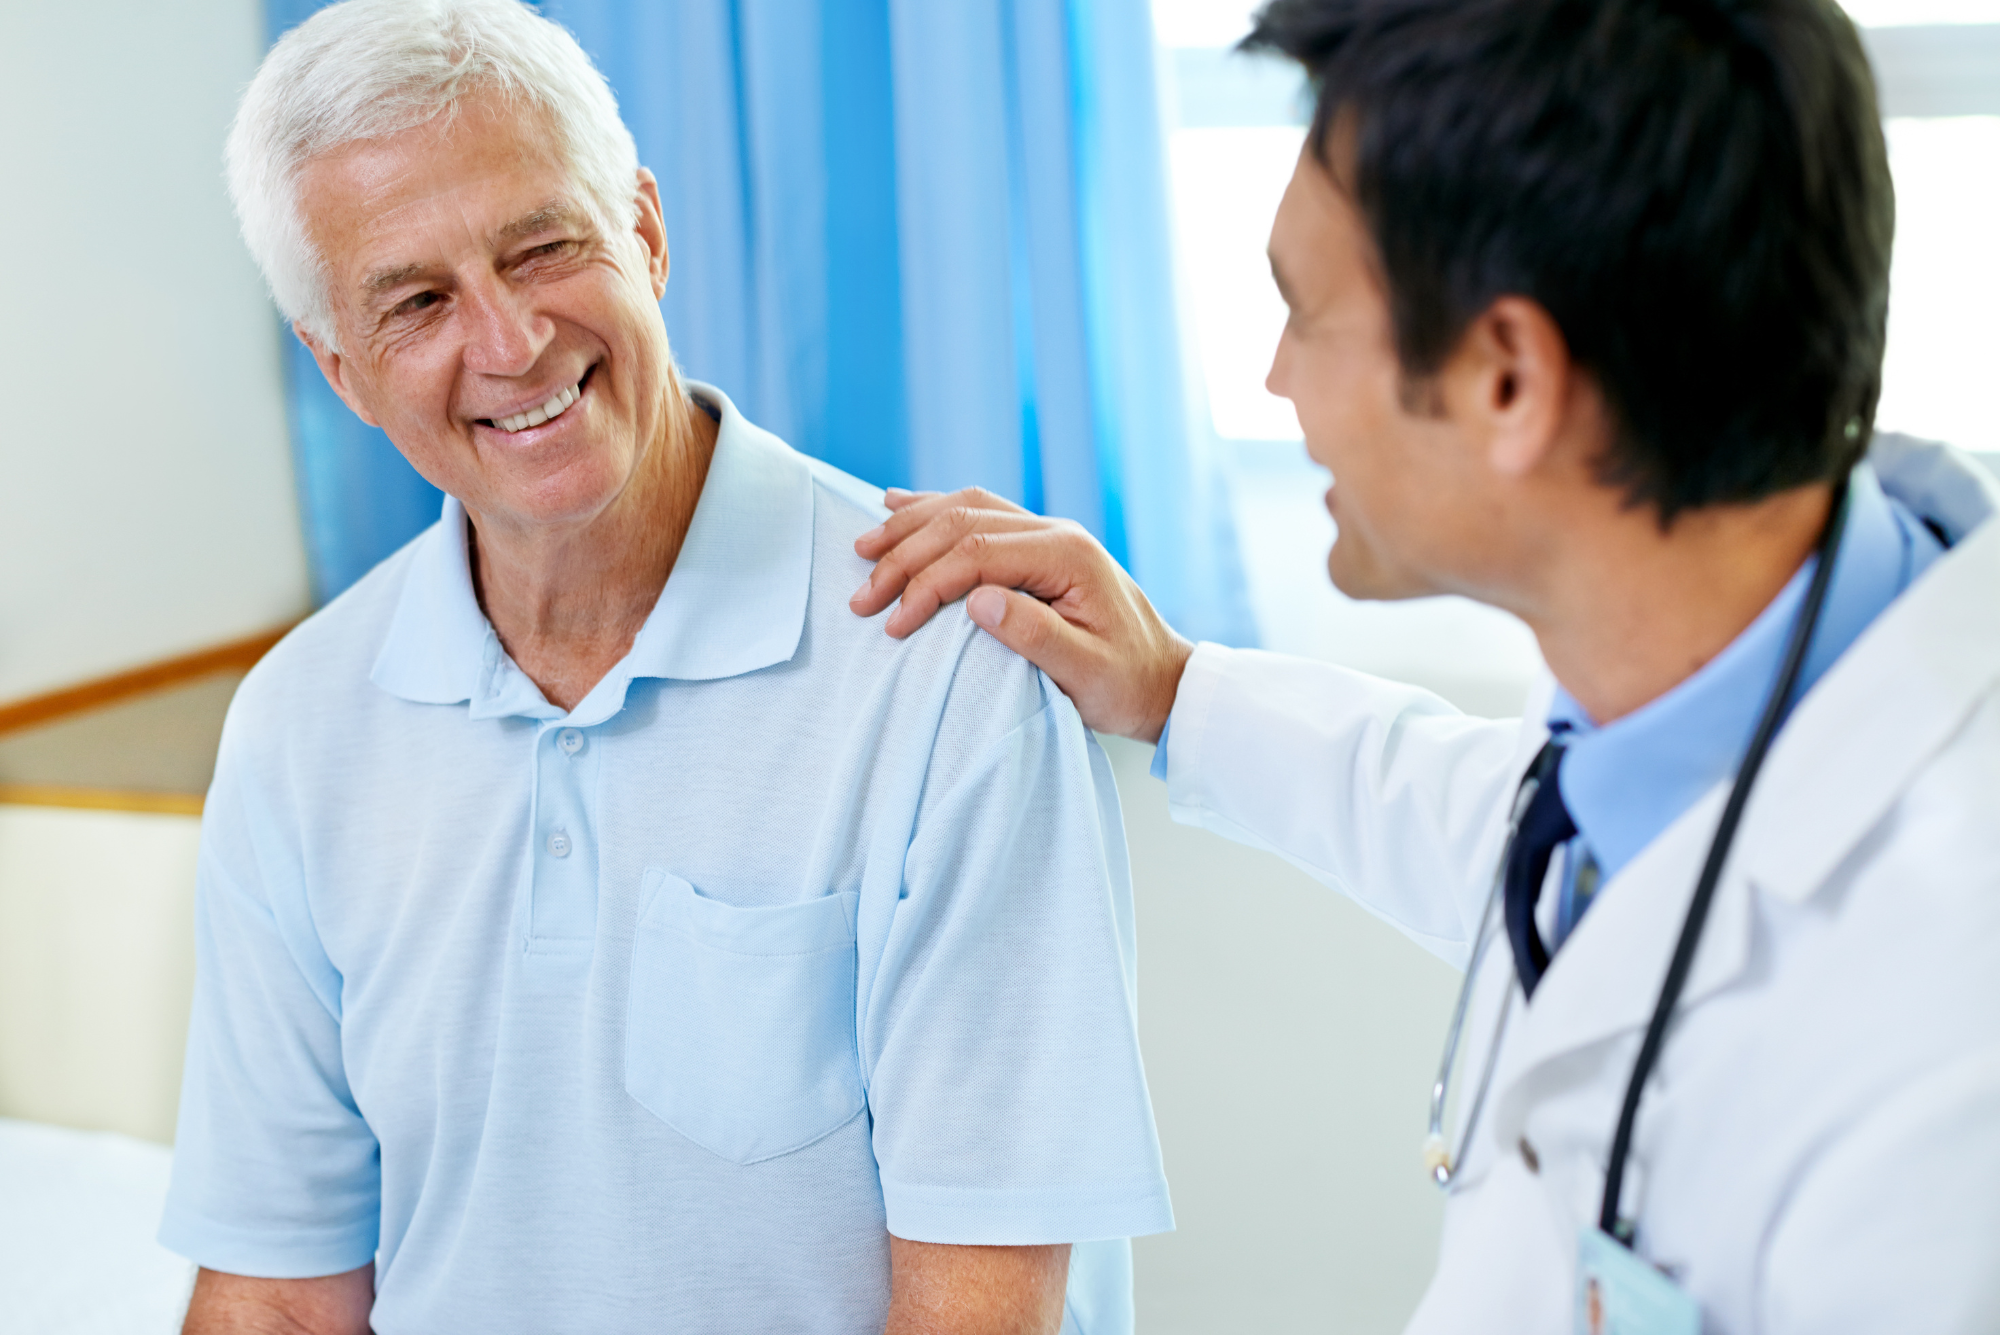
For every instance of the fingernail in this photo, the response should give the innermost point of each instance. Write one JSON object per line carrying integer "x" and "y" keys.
{"x": 888, "y": 492}
{"x": 872, "y": 534}
{"x": 987, "y": 607}
{"x": 862, "y": 592}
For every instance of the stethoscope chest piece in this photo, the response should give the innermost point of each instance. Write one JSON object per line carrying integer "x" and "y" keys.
{"x": 1437, "y": 1159}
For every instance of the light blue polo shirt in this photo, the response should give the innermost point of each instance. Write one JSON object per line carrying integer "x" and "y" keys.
{"x": 662, "y": 1014}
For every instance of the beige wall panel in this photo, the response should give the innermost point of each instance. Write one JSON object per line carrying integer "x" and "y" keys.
{"x": 96, "y": 966}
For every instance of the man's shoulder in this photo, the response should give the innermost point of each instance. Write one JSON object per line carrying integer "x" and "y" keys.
{"x": 844, "y": 499}
{"x": 327, "y": 657}
{"x": 978, "y": 688}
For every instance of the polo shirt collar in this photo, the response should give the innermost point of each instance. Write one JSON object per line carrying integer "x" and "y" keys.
{"x": 735, "y": 601}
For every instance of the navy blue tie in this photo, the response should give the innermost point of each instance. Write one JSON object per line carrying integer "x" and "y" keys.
{"x": 1545, "y": 824}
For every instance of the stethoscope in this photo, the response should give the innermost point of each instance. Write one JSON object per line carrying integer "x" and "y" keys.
{"x": 1440, "y": 1160}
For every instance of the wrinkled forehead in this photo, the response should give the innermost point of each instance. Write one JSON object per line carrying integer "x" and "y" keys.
{"x": 478, "y": 181}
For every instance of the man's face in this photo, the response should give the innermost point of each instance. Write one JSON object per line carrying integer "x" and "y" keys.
{"x": 1400, "y": 474}
{"x": 470, "y": 285}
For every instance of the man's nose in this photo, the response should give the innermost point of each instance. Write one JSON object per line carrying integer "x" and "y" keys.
{"x": 505, "y": 336}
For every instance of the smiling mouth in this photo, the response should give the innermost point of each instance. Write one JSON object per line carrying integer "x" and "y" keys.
{"x": 546, "y": 412}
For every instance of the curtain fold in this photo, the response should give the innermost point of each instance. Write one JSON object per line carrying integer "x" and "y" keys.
{"x": 927, "y": 242}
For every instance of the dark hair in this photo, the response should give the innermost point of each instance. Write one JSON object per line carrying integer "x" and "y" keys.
{"x": 1696, "y": 191}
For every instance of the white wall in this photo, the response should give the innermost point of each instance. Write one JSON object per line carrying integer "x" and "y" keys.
{"x": 146, "y": 502}
{"x": 1290, "y": 1042}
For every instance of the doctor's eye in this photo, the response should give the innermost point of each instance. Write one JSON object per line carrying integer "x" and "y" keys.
{"x": 421, "y": 301}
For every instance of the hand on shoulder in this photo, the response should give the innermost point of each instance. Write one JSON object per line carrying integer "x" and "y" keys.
{"x": 1043, "y": 587}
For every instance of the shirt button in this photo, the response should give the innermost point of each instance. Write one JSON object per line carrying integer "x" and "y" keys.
{"x": 559, "y": 844}
{"x": 570, "y": 740}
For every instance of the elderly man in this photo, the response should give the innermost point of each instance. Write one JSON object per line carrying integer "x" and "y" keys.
{"x": 600, "y": 928}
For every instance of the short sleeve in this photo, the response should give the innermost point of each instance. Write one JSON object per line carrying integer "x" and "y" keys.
{"x": 999, "y": 1037}
{"x": 275, "y": 1171}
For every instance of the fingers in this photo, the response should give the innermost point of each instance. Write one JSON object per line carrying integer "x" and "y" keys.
{"x": 914, "y": 509}
{"x": 944, "y": 531}
{"x": 1121, "y": 673}
{"x": 1042, "y": 587}
{"x": 1032, "y": 629}
{"x": 1046, "y": 559}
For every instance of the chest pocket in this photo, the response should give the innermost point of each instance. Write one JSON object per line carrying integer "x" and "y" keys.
{"x": 739, "y": 1032}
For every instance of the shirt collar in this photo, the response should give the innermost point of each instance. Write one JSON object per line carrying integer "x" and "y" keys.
{"x": 734, "y": 602}
{"x": 1626, "y": 782}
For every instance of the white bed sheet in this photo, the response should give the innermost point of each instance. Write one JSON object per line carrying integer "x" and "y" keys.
{"x": 78, "y": 1212}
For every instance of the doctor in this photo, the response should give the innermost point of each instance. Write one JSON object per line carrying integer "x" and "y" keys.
{"x": 1587, "y": 301}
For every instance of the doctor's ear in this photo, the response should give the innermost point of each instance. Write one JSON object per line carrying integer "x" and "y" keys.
{"x": 334, "y": 368}
{"x": 1510, "y": 383}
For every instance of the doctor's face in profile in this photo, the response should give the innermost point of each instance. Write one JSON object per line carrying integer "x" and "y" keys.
{"x": 509, "y": 344}
{"x": 1405, "y": 495}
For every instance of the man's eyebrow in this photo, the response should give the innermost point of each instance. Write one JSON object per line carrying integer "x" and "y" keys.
{"x": 551, "y": 215}
{"x": 1278, "y": 277}
{"x": 384, "y": 279}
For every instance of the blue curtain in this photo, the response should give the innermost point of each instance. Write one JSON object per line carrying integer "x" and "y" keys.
{"x": 924, "y": 241}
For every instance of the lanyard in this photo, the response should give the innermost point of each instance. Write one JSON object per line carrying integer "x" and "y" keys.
{"x": 1776, "y": 706}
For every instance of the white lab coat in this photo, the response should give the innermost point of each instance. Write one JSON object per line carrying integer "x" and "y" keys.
{"x": 1819, "y": 1147}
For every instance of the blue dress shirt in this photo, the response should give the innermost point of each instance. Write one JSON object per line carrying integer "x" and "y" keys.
{"x": 1627, "y": 781}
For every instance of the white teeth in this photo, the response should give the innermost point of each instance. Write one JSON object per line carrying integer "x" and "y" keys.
{"x": 536, "y": 416}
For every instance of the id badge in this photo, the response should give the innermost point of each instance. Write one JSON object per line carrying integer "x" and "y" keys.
{"x": 1617, "y": 1293}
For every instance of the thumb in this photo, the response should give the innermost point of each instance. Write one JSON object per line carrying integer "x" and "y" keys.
{"x": 1031, "y": 628}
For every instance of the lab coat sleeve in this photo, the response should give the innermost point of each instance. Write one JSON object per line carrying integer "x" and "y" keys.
{"x": 1896, "y": 1226}
{"x": 1379, "y": 790}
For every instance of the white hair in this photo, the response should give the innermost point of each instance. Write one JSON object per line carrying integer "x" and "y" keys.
{"x": 368, "y": 69}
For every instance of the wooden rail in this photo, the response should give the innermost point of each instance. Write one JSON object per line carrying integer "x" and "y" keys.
{"x": 99, "y": 799}
{"x": 237, "y": 655}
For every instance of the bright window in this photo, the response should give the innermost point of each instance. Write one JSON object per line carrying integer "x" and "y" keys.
{"x": 1235, "y": 128}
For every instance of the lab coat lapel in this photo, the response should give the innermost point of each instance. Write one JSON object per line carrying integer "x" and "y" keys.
{"x": 1607, "y": 976}
{"x": 1851, "y": 748}
{"x": 1860, "y": 738}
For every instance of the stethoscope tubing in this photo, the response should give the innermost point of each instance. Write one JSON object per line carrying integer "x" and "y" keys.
{"x": 1777, "y": 705}
{"x": 1442, "y": 1164}
{"x": 1439, "y": 1158}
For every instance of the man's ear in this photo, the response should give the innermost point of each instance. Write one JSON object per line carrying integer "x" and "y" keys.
{"x": 1509, "y": 382}
{"x": 332, "y": 366}
{"x": 651, "y": 228}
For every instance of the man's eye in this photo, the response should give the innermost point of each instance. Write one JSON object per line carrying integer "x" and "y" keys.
{"x": 418, "y": 302}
